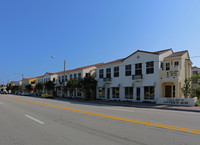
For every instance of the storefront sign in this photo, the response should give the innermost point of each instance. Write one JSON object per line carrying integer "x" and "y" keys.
{"x": 177, "y": 101}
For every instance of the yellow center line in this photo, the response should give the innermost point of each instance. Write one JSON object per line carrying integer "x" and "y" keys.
{"x": 116, "y": 118}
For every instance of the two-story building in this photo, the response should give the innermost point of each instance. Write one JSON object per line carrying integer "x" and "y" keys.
{"x": 47, "y": 77}
{"x": 195, "y": 70}
{"x": 29, "y": 81}
{"x": 144, "y": 76}
{"x": 76, "y": 73}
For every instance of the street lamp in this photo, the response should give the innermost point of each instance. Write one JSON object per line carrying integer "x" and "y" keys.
{"x": 64, "y": 69}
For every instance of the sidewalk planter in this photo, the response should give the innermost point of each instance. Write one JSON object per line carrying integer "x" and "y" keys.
{"x": 177, "y": 101}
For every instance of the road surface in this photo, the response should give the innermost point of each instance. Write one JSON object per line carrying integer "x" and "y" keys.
{"x": 26, "y": 120}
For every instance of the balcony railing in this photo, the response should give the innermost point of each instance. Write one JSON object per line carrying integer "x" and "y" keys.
{"x": 173, "y": 73}
{"x": 137, "y": 77}
{"x": 106, "y": 79}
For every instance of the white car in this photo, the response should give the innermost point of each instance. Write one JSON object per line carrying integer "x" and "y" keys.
{"x": 25, "y": 94}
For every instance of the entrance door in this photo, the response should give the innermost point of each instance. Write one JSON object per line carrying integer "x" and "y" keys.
{"x": 108, "y": 93}
{"x": 168, "y": 91}
{"x": 138, "y": 94}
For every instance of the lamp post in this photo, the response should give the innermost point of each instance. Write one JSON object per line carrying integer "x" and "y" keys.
{"x": 64, "y": 70}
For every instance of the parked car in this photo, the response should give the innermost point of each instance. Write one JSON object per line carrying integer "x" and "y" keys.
{"x": 25, "y": 94}
{"x": 4, "y": 92}
{"x": 47, "y": 95}
{"x": 19, "y": 93}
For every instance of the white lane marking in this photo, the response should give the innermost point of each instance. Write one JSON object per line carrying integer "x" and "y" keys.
{"x": 38, "y": 121}
{"x": 1, "y": 103}
{"x": 118, "y": 109}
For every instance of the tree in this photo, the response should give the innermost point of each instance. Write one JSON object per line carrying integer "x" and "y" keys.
{"x": 14, "y": 89}
{"x": 72, "y": 84}
{"x": 8, "y": 87}
{"x": 191, "y": 87}
{"x": 28, "y": 88}
{"x": 195, "y": 87}
{"x": 39, "y": 87}
{"x": 49, "y": 86}
{"x": 88, "y": 85}
{"x": 187, "y": 88}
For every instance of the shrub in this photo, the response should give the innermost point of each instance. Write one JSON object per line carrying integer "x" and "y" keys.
{"x": 197, "y": 102}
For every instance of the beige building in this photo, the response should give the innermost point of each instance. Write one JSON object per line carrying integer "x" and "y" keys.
{"x": 195, "y": 70}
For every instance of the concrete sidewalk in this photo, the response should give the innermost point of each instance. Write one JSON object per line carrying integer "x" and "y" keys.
{"x": 138, "y": 104}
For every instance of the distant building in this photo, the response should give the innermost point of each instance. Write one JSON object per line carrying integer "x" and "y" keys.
{"x": 195, "y": 70}
{"x": 76, "y": 73}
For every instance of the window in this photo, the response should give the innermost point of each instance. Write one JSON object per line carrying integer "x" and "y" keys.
{"x": 162, "y": 65}
{"x": 128, "y": 70}
{"x": 87, "y": 74}
{"x": 167, "y": 66}
{"x": 149, "y": 92}
{"x": 62, "y": 78}
{"x": 138, "y": 69}
{"x": 101, "y": 92}
{"x": 70, "y": 76}
{"x": 101, "y": 73}
{"x": 195, "y": 72}
{"x": 59, "y": 79}
{"x": 115, "y": 92}
{"x": 108, "y": 73}
{"x": 128, "y": 92}
{"x": 150, "y": 67}
{"x": 116, "y": 71}
{"x": 79, "y": 93}
{"x": 79, "y": 75}
{"x": 174, "y": 91}
{"x": 176, "y": 63}
{"x": 65, "y": 77}
{"x": 75, "y": 76}
{"x": 54, "y": 79}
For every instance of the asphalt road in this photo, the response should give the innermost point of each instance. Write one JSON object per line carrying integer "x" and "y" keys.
{"x": 36, "y": 121}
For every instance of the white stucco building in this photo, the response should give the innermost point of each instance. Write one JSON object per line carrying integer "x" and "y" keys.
{"x": 144, "y": 76}
{"x": 76, "y": 73}
{"x": 47, "y": 77}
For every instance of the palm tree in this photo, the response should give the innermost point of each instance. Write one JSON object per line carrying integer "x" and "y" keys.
{"x": 39, "y": 87}
{"x": 28, "y": 88}
{"x": 88, "y": 85}
{"x": 72, "y": 84}
{"x": 49, "y": 86}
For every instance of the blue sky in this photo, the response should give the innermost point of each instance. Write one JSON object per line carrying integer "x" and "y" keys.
{"x": 85, "y": 32}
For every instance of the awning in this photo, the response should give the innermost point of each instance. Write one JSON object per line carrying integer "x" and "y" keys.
{"x": 148, "y": 83}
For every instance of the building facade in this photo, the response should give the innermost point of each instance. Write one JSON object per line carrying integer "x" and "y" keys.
{"x": 195, "y": 70}
{"x": 144, "y": 76}
{"x": 76, "y": 73}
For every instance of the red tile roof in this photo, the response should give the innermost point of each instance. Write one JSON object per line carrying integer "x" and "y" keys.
{"x": 50, "y": 73}
{"x": 14, "y": 81}
{"x": 80, "y": 68}
{"x": 177, "y": 54}
{"x": 32, "y": 78}
{"x": 156, "y": 53}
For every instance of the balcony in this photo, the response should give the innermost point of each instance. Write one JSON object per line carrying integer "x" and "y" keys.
{"x": 107, "y": 79}
{"x": 174, "y": 73}
{"x": 137, "y": 77}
